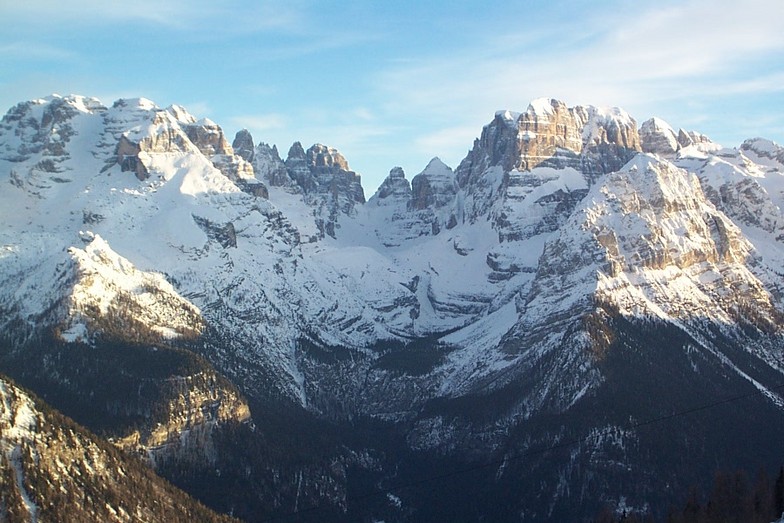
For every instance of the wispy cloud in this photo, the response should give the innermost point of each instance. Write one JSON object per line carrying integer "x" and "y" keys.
{"x": 24, "y": 50}
{"x": 260, "y": 122}
{"x": 636, "y": 59}
{"x": 219, "y": 17}
{"x": 445, "y": 140}
{"x": 689, "y": 41}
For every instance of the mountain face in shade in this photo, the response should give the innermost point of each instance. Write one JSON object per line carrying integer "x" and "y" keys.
{"x": 573, "y": 277}
{"x": 51, "y": 469}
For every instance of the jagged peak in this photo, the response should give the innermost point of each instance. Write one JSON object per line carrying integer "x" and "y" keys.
{"x": 85, "y": 104}
{"x": 396, "y": 172}
{"x": 656, "y": 136}
{"x": 763, "y": 148}
{"x": 181, "y": 114}
{"x": 436, "y": 167}
{"x": 296, "y": 152}
{"x": 268, "y": 150}
{"x": 323, "y": 156}
{"x": 135, "y": 103}
{"x": 243, "y": 145}
{"x": 544, "y": 106}
{"x": 206, "y": 122}
{"x": 394, "y": 187}
{"x": 656, "y": 124}
{"x": 760, "y": 145}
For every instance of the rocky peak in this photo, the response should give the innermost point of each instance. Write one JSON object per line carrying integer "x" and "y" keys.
{"x": 243, "y": 145}
{"x": 434, "y": 187}
{"x": 658, "y": 137}
{"x": 326, "y": 182}
{"x": 322, "y": 169}
{"x": 591, "y": 139}
{"x": 270, "y": 168}
{"x": 546, "y": 127}
{"x": 395, "y": 187}
{"x": 181, "y": 114}
{"x": 208, "y": 137}
{"x": 296, "y": 152}
{"x": 688, "y": 138}
{"x": 764, "y": 149}
{"x": 298, "y": 169}
{"x": 323, "y": 158}
{"x": 612, "y": 126}
{"x": 43, "y": 126}
{"x": 610, "y": 140}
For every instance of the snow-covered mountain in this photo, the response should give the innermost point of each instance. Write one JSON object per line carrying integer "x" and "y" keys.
{"x": 569, "y": 259}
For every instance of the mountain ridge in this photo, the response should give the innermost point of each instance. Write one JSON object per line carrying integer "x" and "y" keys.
{"x": 521, "y": 275}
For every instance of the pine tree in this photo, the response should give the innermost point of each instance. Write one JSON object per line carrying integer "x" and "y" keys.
{"x": 692, "y": 512}
{"x": 778, "y": 493}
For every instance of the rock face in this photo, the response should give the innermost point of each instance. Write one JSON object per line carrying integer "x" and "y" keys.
{"x": 548, "y": 134}
{"x": 658, "y": 138}
{"x": 434, "y": 187}
{"x": 395, "y": 187}
{"x": 243, "y": 145}
{"x": 322, "y": 177}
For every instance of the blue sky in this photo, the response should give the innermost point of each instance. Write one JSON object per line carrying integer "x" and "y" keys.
{"x": 396, "y": 83}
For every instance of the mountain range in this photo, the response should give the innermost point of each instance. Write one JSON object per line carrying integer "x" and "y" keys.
{"x": 529, "y": 336}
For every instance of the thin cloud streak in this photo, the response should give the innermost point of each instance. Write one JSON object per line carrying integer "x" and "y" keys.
{"x": 260, "y": 122}
{"x": 34, "y": 51}
{"x": 635, "y": 60}
{"x": 186, "y": 15}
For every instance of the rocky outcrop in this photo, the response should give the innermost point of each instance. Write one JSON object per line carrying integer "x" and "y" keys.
{"x": 425, "y": 207}
{"x": 191, "y": 408}
{"x": 658, "y": 137}
{"x": 546, "y": 127}
{"x": 270, "y": 168}
{"x": 333, "y": 176}
{"x": 224, "y": 234}
{"x": 549, "y": 134}
{"x": 208, "y": 137}
{"x": 243, "y": 145}
{"x": 433, "y": 188}
{"x": 324, "y": 179}
{"x": 761, "y": 148}
{"x": 298, "y": 169}
{"x": 687, "y": 138}
{"x": 394, "y": 188}
{"x": 128, "y": 158}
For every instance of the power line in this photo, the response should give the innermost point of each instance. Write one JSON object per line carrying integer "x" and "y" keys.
{"x": 528, "y": 453}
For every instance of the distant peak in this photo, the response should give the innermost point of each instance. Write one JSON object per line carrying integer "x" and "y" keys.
{"x": 206, "y": 122}
{"x": 296, "y": 151}
{"x": 397, "y": 172}
{"x": 135, "y": 103}
{"x": 181, "y": 114}
{"x": 506, "y": 114}
{"x": 85, "y": 104}
{"x": 435, "y": 164}
{"x": 545, "y": 106}
{"x": 656, "y": 124}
